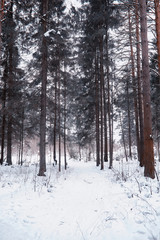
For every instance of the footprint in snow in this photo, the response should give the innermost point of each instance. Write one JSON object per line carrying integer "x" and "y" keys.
{"x": 86, "y": 181}
{"x": 140, "y": 232}
{"x": 27, "y": 221}
{"x": 61, "y": 223}
{"x": 139, "y": 221}
{"x": 30, "y": 217}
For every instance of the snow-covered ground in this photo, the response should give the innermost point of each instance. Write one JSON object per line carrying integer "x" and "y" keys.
{"x": 81, "y": 203}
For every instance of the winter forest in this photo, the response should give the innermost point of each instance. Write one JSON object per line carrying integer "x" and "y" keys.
{"x": 79, "y": 120}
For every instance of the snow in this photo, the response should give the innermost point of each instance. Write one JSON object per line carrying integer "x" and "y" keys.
{"x": 75, "y": 3}
{"x": 47, "y": 34}
{"x": 80, "y": 203}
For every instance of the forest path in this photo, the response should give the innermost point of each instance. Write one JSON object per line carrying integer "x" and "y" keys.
{"x": 94, "y": 207}
{"x": 83, "y": 203}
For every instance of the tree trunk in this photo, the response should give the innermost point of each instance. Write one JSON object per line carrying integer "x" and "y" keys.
{"x": 0, "y": 30}
{"x": 109, "y": 109}
{"x": 97, "y": 112}
{"x": 134, "y": 86}
{"x": 101, "y": 98}
{"x": 149, "y": 170}
{"x": 3, "y": 113}
{"x": 21, "y": 137}
{"x": 157, "y": 132}
{"x": 123, "y": 139}
{"x": 10, "y": 90}
{"x": 59, "y": 117}
{"x": 42, "y": 168}
{"x": 105, "y": 126}
{"x": 140, "y": 97}
{"x": 4, "y": 89}
{"x": 157, "y": 14}
{"x": 55, "y": 121}
{"x": 110, "y": 141}
{"x": 65, "y": 115}
{"x": 129, "y": 120}
{"x": 9, "y": 141}
{"x": 112, "y": 120}
{"x": 1, "y": 20}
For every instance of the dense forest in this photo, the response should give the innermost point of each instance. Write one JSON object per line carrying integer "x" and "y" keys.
{"x": 70, "y": 78}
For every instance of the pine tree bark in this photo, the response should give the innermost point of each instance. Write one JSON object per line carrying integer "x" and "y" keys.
{"x": 97, "y": 112}
{"x": 149, "y": 170}
{"x": 42, "y": 168}
{"x": 59, "y": 117}
{"x": 3, "y": 113}
{"x": 139, "y": 83}
{"x": 10, "y": 90}
{"x": 134, "y": 85}
{"x": 101, "y": 100}
{"x": 129, "y": 121}
{"x": 123, "y": 138}
{"x": 21, "y": 138}
{"x": 1, "y": 20}
{"x": 55, "y": 120}
{"x": 157, "y": 132}
{"x": 105, "y": 125}
{"x": 65, "y": 117}
{"x": 157, "y": 15}
{"x": 109, "y": 109}
{"x": 0, "y": 30}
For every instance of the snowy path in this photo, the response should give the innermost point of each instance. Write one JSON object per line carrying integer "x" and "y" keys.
{"x": 84, "y": 204}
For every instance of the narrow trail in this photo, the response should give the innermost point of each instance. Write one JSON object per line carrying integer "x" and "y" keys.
{"x": 83, "y": 204}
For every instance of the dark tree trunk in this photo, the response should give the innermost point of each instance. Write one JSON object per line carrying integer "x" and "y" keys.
{"x": 21, "y": 138}
{"x": 97, "y": 113}
{"x": 9, "y": 141}
{"x": 104, "y": 101}
{"x": 112, "y": 121}
{"x": 105, "y": 126}
{"x": 109, "y": 109}
{"x": 1, "y": 20}
{"x": 10, "y": 90}
{"x": 3, "y": 114}
{"x": 65, "y": 116}
{"x": 157, "y": 14}
{"x": 42, "y": 168}
{"x": 134, "y": 87}
{"x": 149, "y": 170}
{"x": 123, "y": 139}
{"x": 55, "y": 121}
{"x": 59, "y": 117}
{"x": 139, "y": 83}
{"x": 0, "y": 30}
{"x": 101, "y": 99}
{"x": 129, "y": 120}
{"x": 157, "y": 132}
